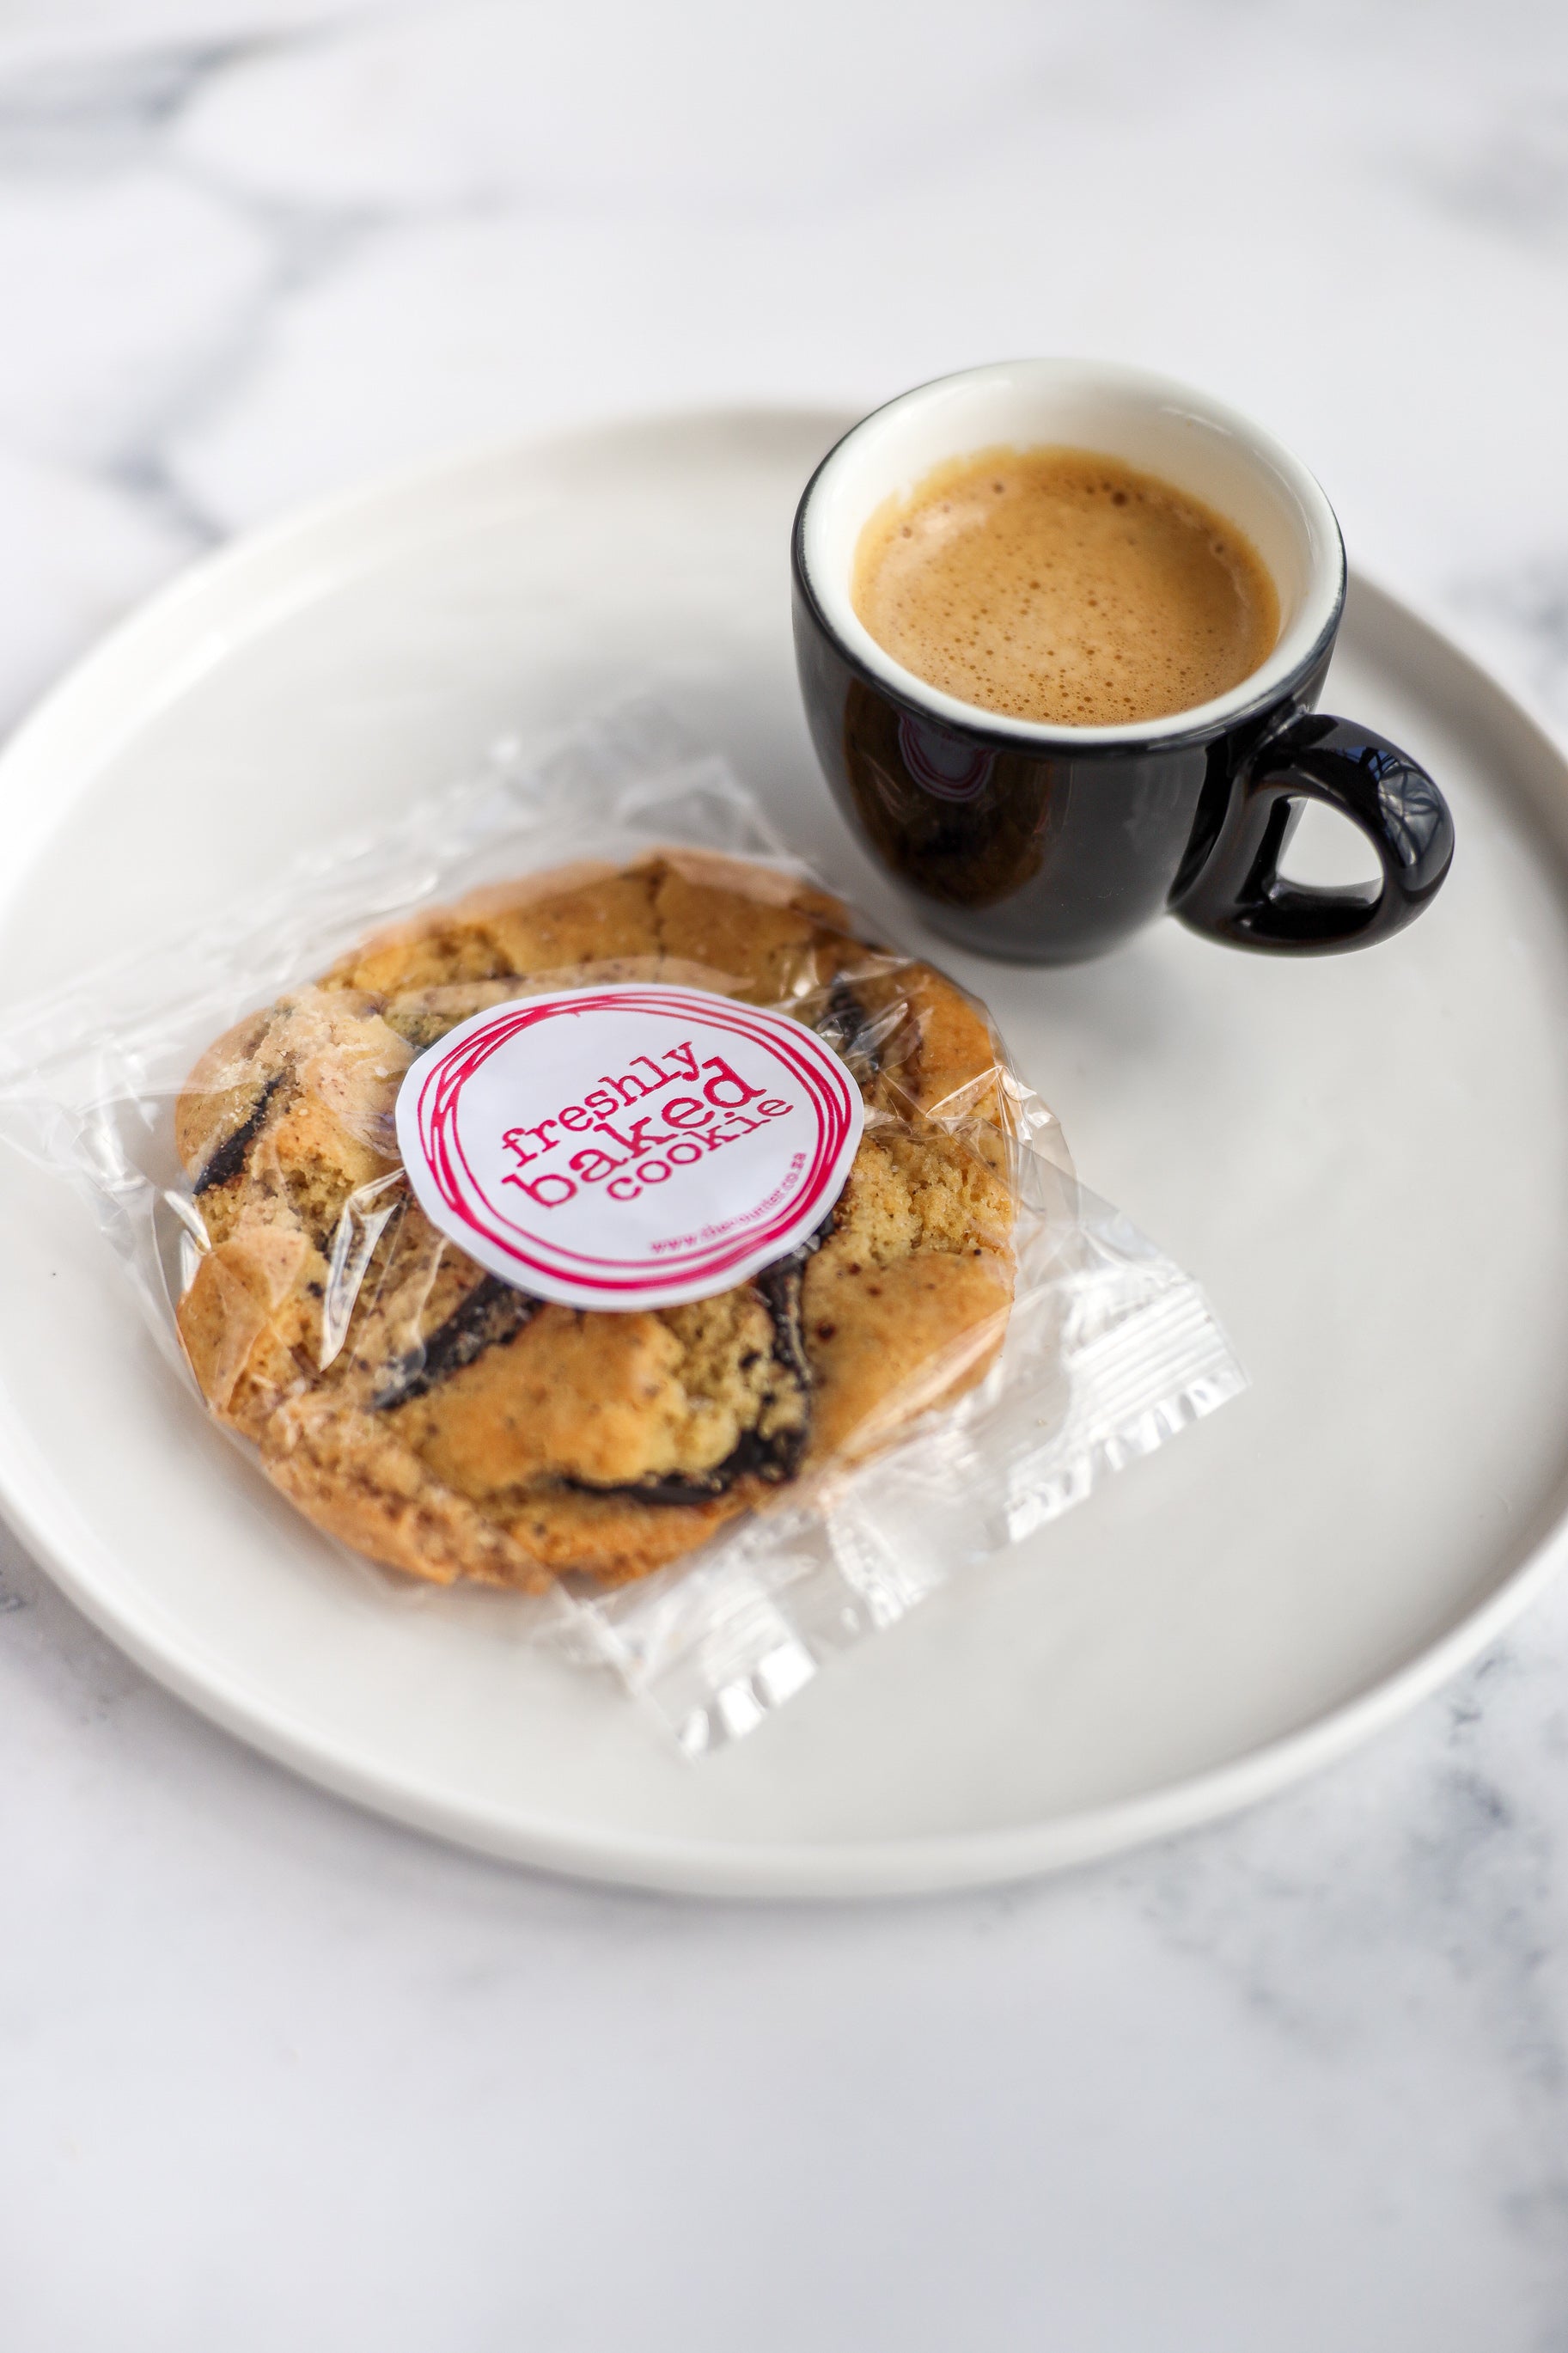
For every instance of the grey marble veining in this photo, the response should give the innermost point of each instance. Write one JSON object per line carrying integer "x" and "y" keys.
{"x": 273, "y": 2072}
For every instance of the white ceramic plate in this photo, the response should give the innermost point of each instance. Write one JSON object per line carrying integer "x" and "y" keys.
{"x": 1366, "y": 1160}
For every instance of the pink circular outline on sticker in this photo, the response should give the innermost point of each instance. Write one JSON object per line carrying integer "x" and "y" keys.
{"x": 454, "y": 1198}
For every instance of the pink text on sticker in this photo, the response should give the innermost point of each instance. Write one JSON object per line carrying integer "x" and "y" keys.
{"x": 646, "y": 1149}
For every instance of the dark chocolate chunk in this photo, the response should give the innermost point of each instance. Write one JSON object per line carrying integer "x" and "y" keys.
{"x": 229, "y": 1159}
{"x": 780, "y": 1285}
{"x": 490, "y": 1315}
{"x": 775, "y": 1458}
{"x": 848, "y": 1028}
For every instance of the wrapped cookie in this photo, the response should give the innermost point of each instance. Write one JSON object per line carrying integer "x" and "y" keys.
{"x": 568, "y": 1194}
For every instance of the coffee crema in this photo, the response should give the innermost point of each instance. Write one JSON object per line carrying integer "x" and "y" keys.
{"x": 1058, "y": 585}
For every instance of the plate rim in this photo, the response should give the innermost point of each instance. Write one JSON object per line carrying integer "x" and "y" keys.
{"x": 836, "y": 1870}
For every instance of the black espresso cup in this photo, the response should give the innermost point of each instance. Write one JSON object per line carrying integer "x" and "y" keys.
{"x": 1044, "y": 843}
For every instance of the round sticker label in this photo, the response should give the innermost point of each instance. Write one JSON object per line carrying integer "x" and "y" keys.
{"x": 629, "y": 1146}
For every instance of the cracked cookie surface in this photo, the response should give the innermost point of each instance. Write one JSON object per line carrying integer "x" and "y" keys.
{"x": 449, "y": 1425}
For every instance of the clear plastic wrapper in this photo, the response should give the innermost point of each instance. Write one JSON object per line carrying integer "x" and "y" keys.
{"x": 709, "y": 1499}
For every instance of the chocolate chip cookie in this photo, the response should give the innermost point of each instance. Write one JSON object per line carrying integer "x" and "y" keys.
{"x": 450, "y": 1425}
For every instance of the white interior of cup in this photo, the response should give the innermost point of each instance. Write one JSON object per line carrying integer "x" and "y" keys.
{"x": 1148, "y": 421}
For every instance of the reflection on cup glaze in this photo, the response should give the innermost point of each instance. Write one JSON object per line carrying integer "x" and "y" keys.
{"x": 962, "y": 821}
{"x": 941, "y": 762}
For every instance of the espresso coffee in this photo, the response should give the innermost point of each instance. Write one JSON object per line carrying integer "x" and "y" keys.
{"x": 1058, "y": 585}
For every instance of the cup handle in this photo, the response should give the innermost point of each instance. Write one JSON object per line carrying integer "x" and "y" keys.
{"x": 1240, "y": 896}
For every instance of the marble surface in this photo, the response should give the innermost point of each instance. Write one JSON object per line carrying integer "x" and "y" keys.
{"x": 271, "y": 2072}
